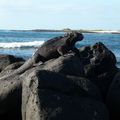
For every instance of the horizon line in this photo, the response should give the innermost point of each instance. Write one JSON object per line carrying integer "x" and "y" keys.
{"x": 64, "y": 29}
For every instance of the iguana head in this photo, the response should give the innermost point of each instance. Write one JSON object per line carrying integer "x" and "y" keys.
{"x": 76, "y": 35}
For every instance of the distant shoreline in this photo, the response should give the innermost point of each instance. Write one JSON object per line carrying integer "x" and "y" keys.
{"x": 82, "y": 31}
{"x": 69, "y": 30}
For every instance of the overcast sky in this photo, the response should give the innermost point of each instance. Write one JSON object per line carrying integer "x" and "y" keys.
{"x": 59, "y": 14}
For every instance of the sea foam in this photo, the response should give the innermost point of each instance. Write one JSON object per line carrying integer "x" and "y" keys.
{"x": 21, "y": 44}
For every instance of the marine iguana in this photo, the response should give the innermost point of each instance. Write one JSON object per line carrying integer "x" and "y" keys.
{"x": 57, "y": 46}
{"x": 52, "y": 48}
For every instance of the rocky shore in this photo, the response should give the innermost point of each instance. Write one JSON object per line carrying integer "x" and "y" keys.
{"x": 82, "y": 86}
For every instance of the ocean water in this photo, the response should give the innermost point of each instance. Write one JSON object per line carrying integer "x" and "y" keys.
{"x": 24, "y": 43}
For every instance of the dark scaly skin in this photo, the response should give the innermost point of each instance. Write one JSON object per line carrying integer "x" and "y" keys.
{"x": 58, "y": 46}
{"x": 53, "y": 48}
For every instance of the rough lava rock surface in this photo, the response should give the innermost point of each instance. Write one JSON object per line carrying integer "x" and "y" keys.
{"x": 42, "y": 100}
{"x": 113, "y": 98}
{"x": 79, "y": 84}
{"x": 69, "y": 64}
{"x": 99, "y": 65}
{"x": 6, "y": 60}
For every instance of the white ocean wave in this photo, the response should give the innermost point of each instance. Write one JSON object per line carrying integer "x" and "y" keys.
{"x": 21, "y": 44}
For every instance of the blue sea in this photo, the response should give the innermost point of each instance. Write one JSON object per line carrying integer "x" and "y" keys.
{"x": 24, "y": 43}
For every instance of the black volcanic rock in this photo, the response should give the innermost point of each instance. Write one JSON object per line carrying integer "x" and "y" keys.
{"x": 113, "y": 98}
{"x": 6, "y": 60}
{"x": 11, "y": 68}
{"x": 69, "y": 64}
{"x": 70, "y": 86}
{"x": 10, "y": 98}
{"x": 99, "y": 65}
{"x": 59, "y": 101}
